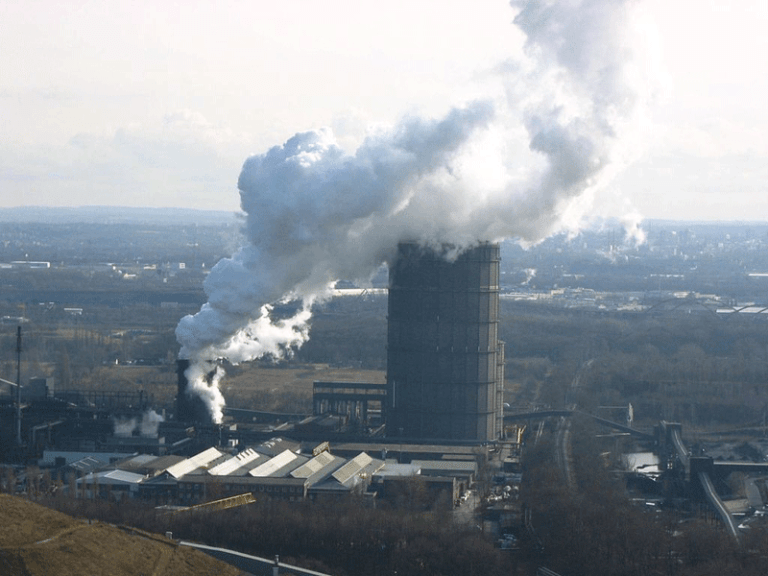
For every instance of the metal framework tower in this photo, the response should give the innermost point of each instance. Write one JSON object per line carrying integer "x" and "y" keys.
{"x": 445, "y": 364}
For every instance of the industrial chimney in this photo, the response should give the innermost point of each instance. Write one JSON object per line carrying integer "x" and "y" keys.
{"x": 445, "y": 364}
{"x": 189, "y": 408}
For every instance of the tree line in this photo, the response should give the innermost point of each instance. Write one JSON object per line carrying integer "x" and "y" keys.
{"x": 596, "y": 530}
{"x": 342, "y": 537}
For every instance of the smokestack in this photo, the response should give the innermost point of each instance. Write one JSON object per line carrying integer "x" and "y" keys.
{"x": 190, "y": 408}
{"x": 444, "y": 359}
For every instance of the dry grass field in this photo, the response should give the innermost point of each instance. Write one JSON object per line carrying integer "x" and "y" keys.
{"x": 37, "y": 541}
{"x": 250, "y": 386}
{"x": 289, "y": 389}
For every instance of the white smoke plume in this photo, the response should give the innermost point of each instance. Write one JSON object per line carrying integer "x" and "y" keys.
{"x": 530, "y": 274}
{"x": 123, "y": 426}
{"x": 203, "y": 377}
{"x": 150, "y": 423}
{"x": 147, "y": 425}
{"x": 515, "y": 166}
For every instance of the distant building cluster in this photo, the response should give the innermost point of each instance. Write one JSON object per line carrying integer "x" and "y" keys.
{"x": 25, "y": 265}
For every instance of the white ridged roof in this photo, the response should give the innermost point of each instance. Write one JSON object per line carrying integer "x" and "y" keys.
{"x": 271, "y": 466}
{"x": 313, "y": 466}
{"x": 112, "y": 477}
{"x": 197, "y": 461}
{"x": 234, "y": 463}
{"x": 352, "y": 467}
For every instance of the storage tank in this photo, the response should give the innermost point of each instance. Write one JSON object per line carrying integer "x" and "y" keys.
{"x": 444, "y": 360}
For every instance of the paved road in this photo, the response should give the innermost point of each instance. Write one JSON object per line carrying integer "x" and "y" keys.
{"x": 466, "y": 512}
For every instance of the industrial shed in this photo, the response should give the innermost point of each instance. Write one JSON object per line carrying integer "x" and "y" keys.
{"x": 116, "y": 484}
{"x": 464, "y": 472}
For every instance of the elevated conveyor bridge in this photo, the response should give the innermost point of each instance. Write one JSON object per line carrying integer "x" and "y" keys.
{"x": 541, "y": 414}
{"x": 698, "y": 473}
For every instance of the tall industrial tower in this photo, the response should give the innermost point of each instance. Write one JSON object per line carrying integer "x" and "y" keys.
{"x": 445, "y": 363}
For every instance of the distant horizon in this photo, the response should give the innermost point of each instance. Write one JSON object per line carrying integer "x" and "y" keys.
{"x": 96, "y": 213}
{"x": 66, "y": 213}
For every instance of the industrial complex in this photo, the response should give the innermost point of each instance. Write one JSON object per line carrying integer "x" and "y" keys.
{"x": 436, "y": 418}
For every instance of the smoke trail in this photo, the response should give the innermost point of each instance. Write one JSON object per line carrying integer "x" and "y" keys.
{"x": 513, "y": 167}
{"x": 147, "y": 425}
{"x": 123, "y": 426}
{"x": 150, "y": 423}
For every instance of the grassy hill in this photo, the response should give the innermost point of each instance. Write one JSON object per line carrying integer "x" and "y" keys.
{"x": 37, "y": 541}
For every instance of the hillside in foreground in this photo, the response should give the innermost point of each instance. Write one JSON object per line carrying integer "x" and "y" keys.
{"x": 37, "y": 541}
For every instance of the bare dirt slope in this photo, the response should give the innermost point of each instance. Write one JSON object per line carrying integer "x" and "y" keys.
{"x": 37, "y": 541}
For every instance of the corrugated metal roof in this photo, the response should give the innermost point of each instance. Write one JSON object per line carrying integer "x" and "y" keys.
{"x": 391, "y": 469}
{"x": 287, "y": 469}
{"x": 225, "y": 468}
{"x": 88, "y": 464}
{"x": 164, "y": 462}
{"x": 275, "y": 446}
{"x": 371, "y": 468}
{"x": 352, "y": 467}
{"x": 446, "y": 466}
{"x": 212, "y": 464}
{"x": 274, "y": 464}
{"x": 217, "y": 463}
{"x": 124, "y": 476}
{"x": 313, "y": 466}
{"x": 50, "y": 457}
{"x": 245, "y": 468}
{"x": 197, "y": 461}
{"x": 138, "y": 464}
{"x": 345, "y": 478}
{"x": 112, "y": 477}
{"x": 135, "y": 461}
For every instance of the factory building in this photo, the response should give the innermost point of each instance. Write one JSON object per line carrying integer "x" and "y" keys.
{"x": 276, "y": 469}
{"x": 444, "y": 359}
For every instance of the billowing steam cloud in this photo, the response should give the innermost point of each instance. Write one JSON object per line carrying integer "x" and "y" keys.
{"x": 504, "y": 167}
{"x": 147, "y": 425}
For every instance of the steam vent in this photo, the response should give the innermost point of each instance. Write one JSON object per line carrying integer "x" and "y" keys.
{"x": 189, "y": 409}
{"x": 445, "y": 363}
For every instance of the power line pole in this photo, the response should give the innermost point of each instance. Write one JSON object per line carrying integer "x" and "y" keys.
{"x": 18, "y": 386}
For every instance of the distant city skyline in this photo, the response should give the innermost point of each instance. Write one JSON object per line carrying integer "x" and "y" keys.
{"x": 159, "y": 104}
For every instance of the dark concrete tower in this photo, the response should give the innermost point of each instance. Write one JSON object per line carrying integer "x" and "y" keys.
{"x": 445, "y": 363}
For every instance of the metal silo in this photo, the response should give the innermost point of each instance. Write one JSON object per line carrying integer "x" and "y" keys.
{"x": 444, "y": 360}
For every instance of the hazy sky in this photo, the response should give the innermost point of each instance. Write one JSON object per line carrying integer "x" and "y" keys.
{"x": 159, "y": 103}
